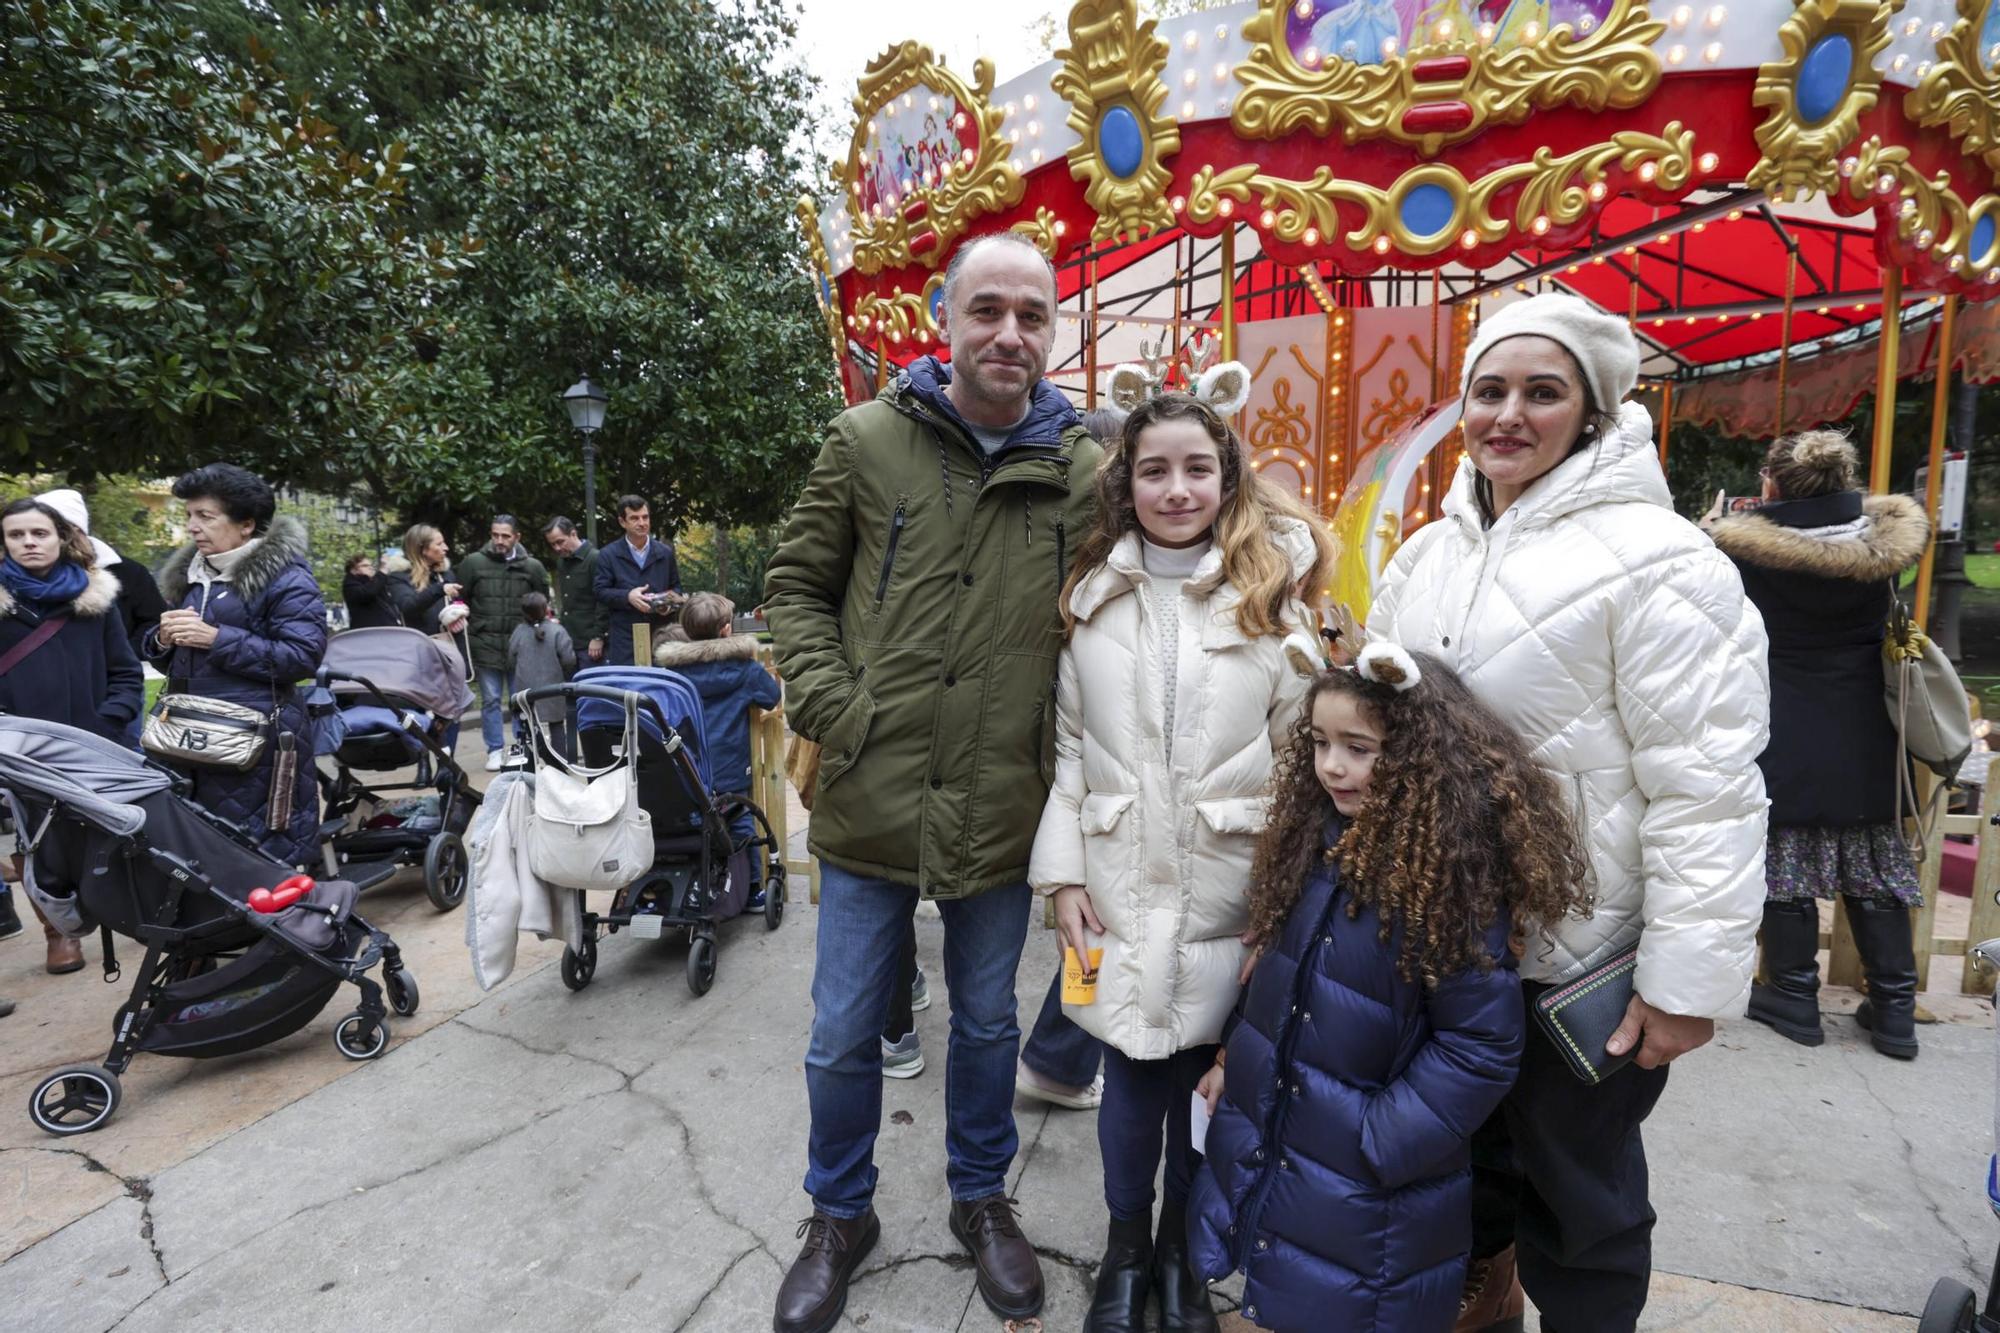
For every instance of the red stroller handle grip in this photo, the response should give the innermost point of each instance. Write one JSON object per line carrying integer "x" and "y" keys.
{"x": 287, "y": 892}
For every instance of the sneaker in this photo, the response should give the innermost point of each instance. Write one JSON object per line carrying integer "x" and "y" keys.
{"x": 902, "y": 1059}
{"x": 920, "y": 993}
{"x": 754, "y": 903}
{"x": 494, "y": 759}
{"x": 515, "y": 756}
{"x": 1030, "y": 1084}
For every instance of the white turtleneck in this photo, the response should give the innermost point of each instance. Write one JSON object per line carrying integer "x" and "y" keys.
{"x": 1167, "y": 571}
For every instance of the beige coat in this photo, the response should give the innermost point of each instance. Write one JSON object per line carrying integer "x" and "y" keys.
{"x": 1165, "y": 851}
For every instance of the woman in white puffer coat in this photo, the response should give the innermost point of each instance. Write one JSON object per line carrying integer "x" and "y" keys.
{"x": 1189, "y": 655}
{"x": 1614, "y": 636}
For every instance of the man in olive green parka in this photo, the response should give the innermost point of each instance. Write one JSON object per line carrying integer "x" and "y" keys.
{"x": 915, "y": 605}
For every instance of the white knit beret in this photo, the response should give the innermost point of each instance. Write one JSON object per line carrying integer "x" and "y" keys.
{"x": 1602, "y": 343}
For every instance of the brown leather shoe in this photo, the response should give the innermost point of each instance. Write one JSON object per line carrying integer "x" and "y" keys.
{"x": 1010, "y": 1276}
{"x": 814, "y": 1292}
{"x": 65, "y": 954}
{"x": 1492, "y": 1301}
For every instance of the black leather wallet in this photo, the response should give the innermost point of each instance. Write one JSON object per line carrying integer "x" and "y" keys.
{"x": 1580, "y": 1015}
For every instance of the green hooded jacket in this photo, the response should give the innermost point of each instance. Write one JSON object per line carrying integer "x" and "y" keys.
{"x": 915, "y": 605}
{"x": 493, "y": 589}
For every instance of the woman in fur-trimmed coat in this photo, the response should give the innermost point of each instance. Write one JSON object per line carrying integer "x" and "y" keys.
{"x": 246, "y": 623}
{"x": 1820, "y": 561}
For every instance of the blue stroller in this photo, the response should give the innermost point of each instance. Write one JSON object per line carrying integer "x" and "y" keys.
{"x": 710, "y": 850}
{"x": 1954, "y": 1307}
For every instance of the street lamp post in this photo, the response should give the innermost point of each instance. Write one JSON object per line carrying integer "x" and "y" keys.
{"x": 585, "y": 404}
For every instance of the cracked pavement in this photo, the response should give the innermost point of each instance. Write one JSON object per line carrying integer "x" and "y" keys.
{"x": 630, "y": 1157}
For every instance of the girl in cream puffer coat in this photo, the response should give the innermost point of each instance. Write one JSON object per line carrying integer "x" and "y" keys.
{"x": 1185, "y": 668}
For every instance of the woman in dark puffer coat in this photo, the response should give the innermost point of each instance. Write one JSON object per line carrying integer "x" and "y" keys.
{"x": 248, "y": 625}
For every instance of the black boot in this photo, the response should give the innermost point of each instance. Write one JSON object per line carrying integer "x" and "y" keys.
{"x": 1183, "y": 1297}
{"x": 1789, "y": 1002}
{"x": 1118, "y": 1303}
{"x": 10, "y": 920}
{"x": 1889, "y": 961}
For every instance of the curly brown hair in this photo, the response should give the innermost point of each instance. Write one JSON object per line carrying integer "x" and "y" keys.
{"x": 1459, "y": 824}
{"x": 1250, "y": 559}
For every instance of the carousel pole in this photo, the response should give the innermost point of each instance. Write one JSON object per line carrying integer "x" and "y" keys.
{"x": 881, "y": 364}
{"x": 1885, "y": 379}
{"x": 1785, "y": 332}
{"x": 1090, "y": 352}
{"x": 1179, "y": 271}
{"x": 1229, "y": 290}
{"x": 1666, "y": 419}
{"x": 1434, "y": 465}
{"x": 1940, "y": 416}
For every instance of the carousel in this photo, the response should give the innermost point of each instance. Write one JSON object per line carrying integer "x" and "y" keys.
{"x": 1792, "y": 203}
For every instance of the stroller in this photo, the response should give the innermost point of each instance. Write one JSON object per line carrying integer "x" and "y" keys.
{"x": 709, "y": 849}
{"x": 1954, "y": 1307}
{"x": 108, "y": 843}
{"x": 400, "y": 692}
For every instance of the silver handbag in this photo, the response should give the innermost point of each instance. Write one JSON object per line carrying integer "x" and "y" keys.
{"x": 195, "y": 731}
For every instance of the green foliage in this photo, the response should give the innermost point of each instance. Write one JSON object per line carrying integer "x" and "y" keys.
{"x": 192, "y": 264}
{"x": 705, "y": 551}
{"x": 631, "y": 168}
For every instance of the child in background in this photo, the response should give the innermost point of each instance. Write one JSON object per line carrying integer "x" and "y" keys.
{"x": 540, "y": 653}
{"x": 1188, "y": 657}
{"x": 1411, "y": 835}
{"x": 724, "y": 670}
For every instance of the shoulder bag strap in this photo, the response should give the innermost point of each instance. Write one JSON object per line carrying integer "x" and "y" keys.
{"x": 38, "y": 636}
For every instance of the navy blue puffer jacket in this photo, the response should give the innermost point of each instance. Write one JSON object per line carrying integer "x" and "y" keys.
{"x": 1338, "y": 1175}
{"x": 271, "y": 623}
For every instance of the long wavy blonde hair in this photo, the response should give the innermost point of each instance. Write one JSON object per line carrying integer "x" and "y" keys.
{"x": 1253, "y": 563}
{"x": 415, "y": 540}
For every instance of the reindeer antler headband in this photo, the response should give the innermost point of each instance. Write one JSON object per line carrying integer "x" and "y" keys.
{"x": 1224, "y": 388}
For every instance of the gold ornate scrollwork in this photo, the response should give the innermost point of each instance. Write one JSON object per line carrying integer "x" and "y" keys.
{"x": 898, "y": 315}
{"x": 1110, "y": 77}
{"x": 1931, "y": 216}
{"x": 1045, "y": 231}
{"x": 1801, "y": 156}
{"x": 1962, "y": 91}
{"x": 914, "y": 219}
{"x": 825, "y": 290}
{"x": 1555, "y": 187}
{"x": 1613, "y": 65}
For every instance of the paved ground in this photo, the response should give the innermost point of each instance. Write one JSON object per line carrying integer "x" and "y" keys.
{"x": 629, "y": 1157}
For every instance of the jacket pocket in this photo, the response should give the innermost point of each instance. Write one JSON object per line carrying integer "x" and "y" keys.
{"x": 896, "y": 524}
{"x": 1101, "y": 811}
{"x": 1045, "y": 730}
{"x": 1235, "y": 814}
{"x": 842, "y": 743}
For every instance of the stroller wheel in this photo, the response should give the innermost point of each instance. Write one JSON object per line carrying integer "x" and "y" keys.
{"x": 403, "y": 993}
{"x": 74, "y": 1100}
{"x": 701, "y": 962}
{"x": 578, "y": 968}
{"x": 774, "y": 899}
{"x": 361, "y": 1038}
{"x": 445, "y": 869}
{"x": 1952, "y": 1308}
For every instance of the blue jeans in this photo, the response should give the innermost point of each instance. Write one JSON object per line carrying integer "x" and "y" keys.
{"x": 1057, "y": 1048}
{"x": 856, "y": 968}
{"x": 1142, "y": 1100}
{"x": 495, "y": 684}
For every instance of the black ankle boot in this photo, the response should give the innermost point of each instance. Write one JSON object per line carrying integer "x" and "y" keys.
{"x": 1183, "y": 1297}
{"x": 10, "y": 921}
{"x": 1889, "y": 961}
{"x": 1789, "y": 1001}
{"x": 1118, "y": 1303}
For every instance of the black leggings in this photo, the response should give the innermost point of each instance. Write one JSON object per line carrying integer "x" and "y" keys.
{"x": 1141, "y": 1098}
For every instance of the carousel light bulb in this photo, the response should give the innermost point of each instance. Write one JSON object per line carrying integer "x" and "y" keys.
{"x": 1028, "y": 102}
{"x": 1191, "y": 78}
{"x": 1716, "y": 16}
{"x": 1179, "y": 202}
{"x": 1909, "y": 206}
{"x": 1690, "y": 319}
{"x": 1682, "y": 16}
{"x": 1700, "y": 227}
{"x": 1820, "y": 311}
{"x": 958, "y": 121}
{"x": 1267, "y": 218}
{"x": 1225, "y": 207}
{"x": 1756, "y": 316}
{"x": 1993, "y": 54}
{"x": 1304, "y": 9}
{"x": 1712, "y": 52}
{"x": 1443, "y": 30}
{"x": 1487, "y": 32}
{"x": 1661, "y": 239}
{"x": 1735, "y": 215}
{"x": 1955, "y": 263}
{"x": 1993, "y": 275}
{"x": 1311, "y": 237}
{"x": 1468, "y": 239}
{"x": 1924, "y": 238}
{"x": 1012, "y": 110}
{"x": 1910, "y": 28}
{"x": 1221, "y": 106}
{"x": 1521, "y": 287}
{"x": 1531, "y": 34}
{"x": 1648, "y": 170}
{"x": 1849, "y": 165}
{"x": 1334, "y": 391}
{"x": 1221, "y": 71}
{"x": 1597, "y": 191}
{"x": 1035, "y": 128}
{"x": 1062, "y": 228}
{"x": 873, "y": 129}
{"x": 1923, "y": 68}
{"x": 1191, "y": 40}
{"x": 1382, "y": 245}
{"x": 1014, "y": 165}
{"x": 934, "y": 104}
{"x": 1884, "y": 183}
{"x": 966, "y": 157}
{"x": 1937, "y": 31}
{"x": 1676, "y": 54}
{"x": 1222, "y": 32}
{"x": 1899, "y": 64}
{"x": 1587, "y": 24}
{"x": 1013, "y": 136}
{"x": 1389, "y": 48}
{"x": 1540, "y": 226}
{"x": 1187, "y": 110}
{"x": 1860, "y": 305}
{"x": 1035, "y": 156}
{"x": 1722, "y": 319}
{"x": 1573, "y": 268}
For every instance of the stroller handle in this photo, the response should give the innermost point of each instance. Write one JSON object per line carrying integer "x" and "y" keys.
{"x": 571, "y": 690}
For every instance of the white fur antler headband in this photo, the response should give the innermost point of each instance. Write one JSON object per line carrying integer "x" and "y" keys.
{"x": 1388, "y": 664}
{"x": 1224, "y": 388}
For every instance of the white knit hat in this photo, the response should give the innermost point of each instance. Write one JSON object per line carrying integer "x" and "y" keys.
{"x": 1602, "y": 343}
{"x": 76, "y": 513}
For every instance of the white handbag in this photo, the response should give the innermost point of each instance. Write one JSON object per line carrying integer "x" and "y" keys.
{"x": 588, "y": 830}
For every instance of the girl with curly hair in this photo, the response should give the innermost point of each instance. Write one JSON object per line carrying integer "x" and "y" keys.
{"x": 1411, "y": 838}
{"x": 1190, "y": 649}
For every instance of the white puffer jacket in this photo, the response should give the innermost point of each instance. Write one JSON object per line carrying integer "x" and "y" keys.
{"x": 1165, "y": 851}
{"x": 1617, "y": 639}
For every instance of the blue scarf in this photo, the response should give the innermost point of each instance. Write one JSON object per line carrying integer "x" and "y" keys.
{"x": 65, "y": 580}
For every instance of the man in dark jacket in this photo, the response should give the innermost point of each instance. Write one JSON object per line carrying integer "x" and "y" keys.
{"x": 494, "y": 580}
{"x": 577, "y": 607}
{"x": 371, "y": 603}
{"x": 914, "y": 601}
{"x": 638, "y": 580}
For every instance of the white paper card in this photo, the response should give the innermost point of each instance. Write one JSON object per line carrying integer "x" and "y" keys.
{"x": 1198, "y": 1124}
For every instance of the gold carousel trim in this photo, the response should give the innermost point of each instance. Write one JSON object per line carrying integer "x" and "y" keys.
{"x": 1456, "y": 67}
{"x": 1558, "y": 189}
{"x": 1044, "y": 231}
{"x": 1931, "y": 217}
{"x": 898, "y": 315}
{"x": 826, "y": 291}
{"x": 1801, "y": 158}
{"x": 920, "y": 227}
{"x": 1114, "y": 61}
{"x": 1962, "y": 91}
